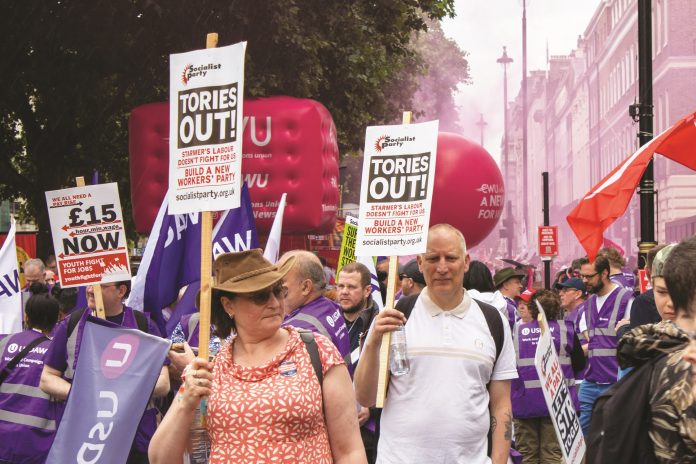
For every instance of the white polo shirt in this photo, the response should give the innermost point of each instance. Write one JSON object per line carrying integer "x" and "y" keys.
{"x": 438, "y": 412}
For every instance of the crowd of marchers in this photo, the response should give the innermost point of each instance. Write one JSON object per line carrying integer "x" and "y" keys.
{"x": 295, "y": 361}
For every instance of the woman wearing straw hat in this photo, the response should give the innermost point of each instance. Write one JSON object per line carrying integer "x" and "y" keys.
{"x": 265, "y": 400}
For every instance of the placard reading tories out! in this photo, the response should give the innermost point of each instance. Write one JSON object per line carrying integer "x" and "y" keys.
{"x": 206, "y": 89}
{"x": 88, "y": 235}
{"x": 397, "y": 189}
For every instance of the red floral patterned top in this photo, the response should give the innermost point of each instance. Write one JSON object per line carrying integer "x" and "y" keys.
{"x": 271, "y": 413}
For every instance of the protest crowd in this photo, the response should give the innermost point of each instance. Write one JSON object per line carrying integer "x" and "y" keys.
{"x": 294, "y": 374}
{"x": 259, "y": 356}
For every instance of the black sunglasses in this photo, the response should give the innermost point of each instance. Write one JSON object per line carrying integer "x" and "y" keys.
{"x": 260, "y": 298}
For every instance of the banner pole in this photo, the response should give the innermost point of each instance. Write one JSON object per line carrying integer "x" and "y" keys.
{"x": 206, "y": 270}
{"x": 383, "y": 376}
{"x": 206, "y": 254}
{"x": 98, "y": 298}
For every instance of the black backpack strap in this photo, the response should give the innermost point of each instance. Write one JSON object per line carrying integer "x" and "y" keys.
{"x": 495, "y": 325}
{"x": 313, "y": 350}
{"x": 16, "y": 360}
{"x": 142, "y": 321}
{"x": 405, "y": 304}
{"x": 74, "y": 319}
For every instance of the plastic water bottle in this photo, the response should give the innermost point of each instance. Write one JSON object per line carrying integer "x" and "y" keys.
{"x": 398, "y": 359}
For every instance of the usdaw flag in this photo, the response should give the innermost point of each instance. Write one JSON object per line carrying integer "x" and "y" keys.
{"x": 10, "y": 293}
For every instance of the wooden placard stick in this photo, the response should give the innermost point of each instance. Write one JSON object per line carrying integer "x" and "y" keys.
{"x": 96, "y": 288}
{"x": 383, "y": 376}
{"x": 206, "y": 263}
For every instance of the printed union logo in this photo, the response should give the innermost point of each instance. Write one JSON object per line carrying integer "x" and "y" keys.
{"x": 525, "y": 331}
{"x": 12, "y": 348}
{"x": 287, "y": 369}
{"x": 118, "y": 355}
{"x": 490, "y": 188}
{"x": 330, "y": 320}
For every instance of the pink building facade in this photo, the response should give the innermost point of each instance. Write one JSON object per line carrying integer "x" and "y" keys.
{"x": 579, "y": 128}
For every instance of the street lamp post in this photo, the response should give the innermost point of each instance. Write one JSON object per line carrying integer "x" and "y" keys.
{"x": 505, "y": 60}
{"x": 482, "y": 125}
{"x": 645, "y": 114}
{"x": 525, "y": 201}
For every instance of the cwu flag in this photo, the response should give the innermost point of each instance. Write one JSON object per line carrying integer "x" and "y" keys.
{"x": 172, "y": 255}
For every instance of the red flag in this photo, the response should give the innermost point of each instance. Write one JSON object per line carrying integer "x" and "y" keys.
{"x": 609, "y": 199}
{"x": 607, "y": 243}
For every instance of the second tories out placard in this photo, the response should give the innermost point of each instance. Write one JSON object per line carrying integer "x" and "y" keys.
{"x": 397, "y": 188}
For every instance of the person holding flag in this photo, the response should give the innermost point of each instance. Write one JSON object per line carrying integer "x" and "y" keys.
{"x": 61, "y": 357}
{"x": 535, "y": 437}
{"x": 274, "y": 396}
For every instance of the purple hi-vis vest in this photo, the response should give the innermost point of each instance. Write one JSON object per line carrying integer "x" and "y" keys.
{"x": 325, "y": 317}
{"x": 27, "y": 414}
{"x": 574, "y": 317}
{"x": 602, "y": 364}
{"x": 527, "y": 396}
{"x": 626, "y": 280}
{"x": 148, "y": 423}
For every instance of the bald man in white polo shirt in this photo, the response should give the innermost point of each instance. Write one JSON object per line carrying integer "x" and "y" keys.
{"x": 456, "y": 391}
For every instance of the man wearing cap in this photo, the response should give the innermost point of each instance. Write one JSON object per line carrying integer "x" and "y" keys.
{"x": 644, "y": 310}
{"x": 412, "y": 280}
{"x": 305, "y": 305}
{"x": 508, "y": 282}
{"x": 608, "y": 304}
{"x": 456, "y": 390}
{"x": 573, "y": 294}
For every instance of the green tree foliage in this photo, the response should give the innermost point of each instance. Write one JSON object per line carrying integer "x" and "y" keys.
{"x": 446, "y": 67}
{"x": 74, "y": 69}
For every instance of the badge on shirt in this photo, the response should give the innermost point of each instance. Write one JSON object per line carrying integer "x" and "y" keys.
{"x": 288, "y": 369}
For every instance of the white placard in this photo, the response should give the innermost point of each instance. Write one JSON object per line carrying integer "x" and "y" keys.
{"x": 557, "y": 397}
{"x": 206, "y": 89}
{"x": 88, "y": 235}
{"x": 397, "y": 189}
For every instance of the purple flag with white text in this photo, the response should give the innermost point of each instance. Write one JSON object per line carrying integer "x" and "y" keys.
{"x": 174, "y": 259}
{"x": 116, "y": 372}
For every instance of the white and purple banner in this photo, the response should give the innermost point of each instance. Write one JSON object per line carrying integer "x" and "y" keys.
{"x": 10, "y": 292}
{"x": 116, "y": 372}
{"x": 172, "y": 257}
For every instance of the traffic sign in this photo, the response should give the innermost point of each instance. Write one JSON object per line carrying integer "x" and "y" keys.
{"x": 548, "y": 241}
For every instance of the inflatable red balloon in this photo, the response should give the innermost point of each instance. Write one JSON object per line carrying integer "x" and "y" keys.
{"x": 289, "y": 146}
{"x": 469, "y": 192}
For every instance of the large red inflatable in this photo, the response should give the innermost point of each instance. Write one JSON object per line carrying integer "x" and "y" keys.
{"x": 469, "y": 192}
{"x": 289, "y": 145}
